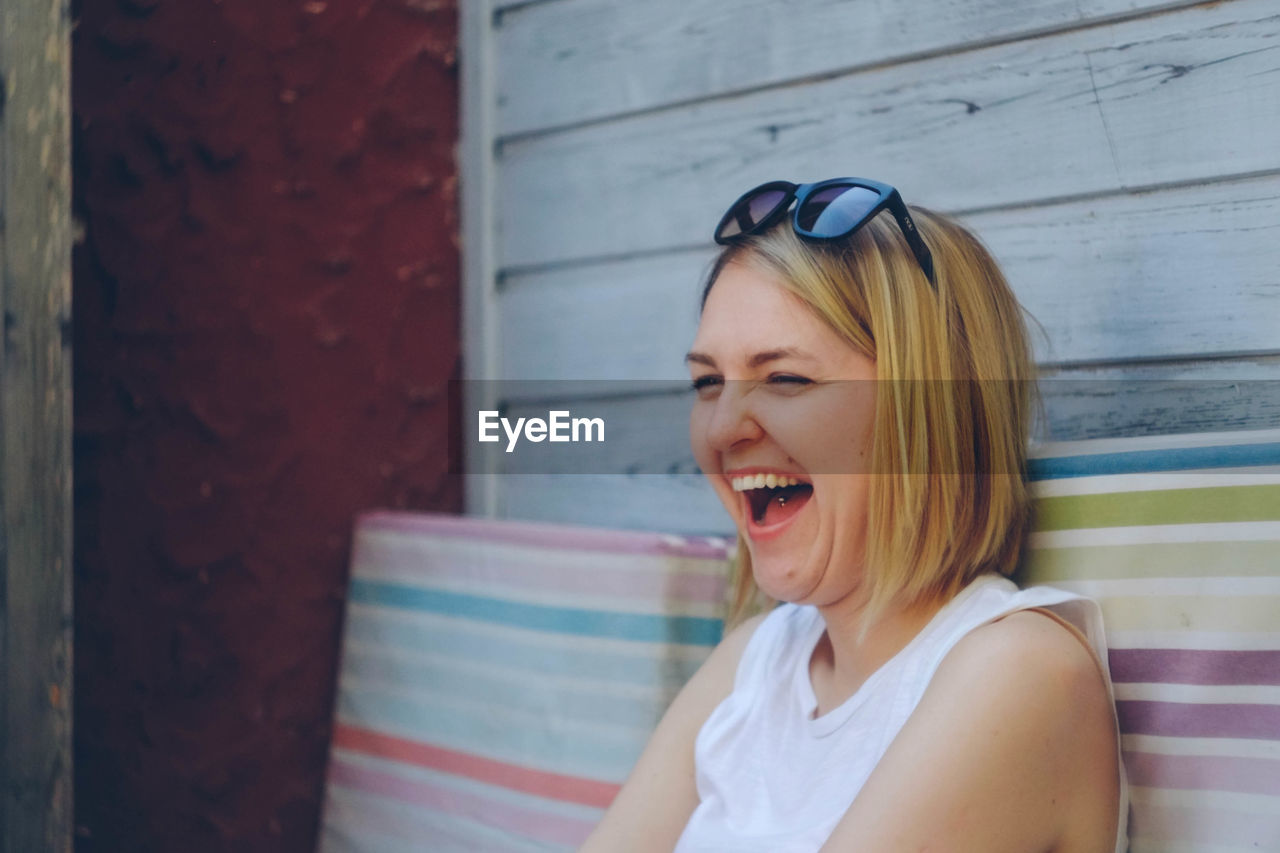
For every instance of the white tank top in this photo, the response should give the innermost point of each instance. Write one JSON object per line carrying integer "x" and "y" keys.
{"x": 772, "y": 779}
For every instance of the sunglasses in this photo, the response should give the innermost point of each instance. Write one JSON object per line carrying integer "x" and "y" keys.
{"x": 825, "y": 211}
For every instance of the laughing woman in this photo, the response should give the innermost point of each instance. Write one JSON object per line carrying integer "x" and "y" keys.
{"x": 863, "y": 401}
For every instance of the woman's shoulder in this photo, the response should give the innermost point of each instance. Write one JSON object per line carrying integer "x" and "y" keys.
{"x": 1028, "y": 651}
{"x": 1016, "y": 713}
{"x": 1034, "y": 642}
{"x": 1045, "y": 670}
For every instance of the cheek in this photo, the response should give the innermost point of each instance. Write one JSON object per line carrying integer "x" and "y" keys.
{"x": 699, "y": 421}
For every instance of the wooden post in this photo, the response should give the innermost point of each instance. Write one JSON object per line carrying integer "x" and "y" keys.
{"x": 35, "y": 427}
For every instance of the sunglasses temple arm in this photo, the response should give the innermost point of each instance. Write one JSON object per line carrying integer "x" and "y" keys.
{"x": 908, "y": 226}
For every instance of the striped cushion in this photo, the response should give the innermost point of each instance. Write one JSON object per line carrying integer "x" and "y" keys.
{"x": 1178, "y": 538}
{"x": 499, "y": 679}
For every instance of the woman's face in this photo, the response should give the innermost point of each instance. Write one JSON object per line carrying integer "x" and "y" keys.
{"x": 781, "y": 394}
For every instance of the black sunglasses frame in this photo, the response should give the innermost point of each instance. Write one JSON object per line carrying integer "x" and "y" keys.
{"x": 889, "y": 198}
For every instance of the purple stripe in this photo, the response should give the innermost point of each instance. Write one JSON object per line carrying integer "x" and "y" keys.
{"x": 1204, "y": 772}
{"x": 542, "y": 535}
{"x": 1195, "y": 666}
{"x": 1194, "y": 719}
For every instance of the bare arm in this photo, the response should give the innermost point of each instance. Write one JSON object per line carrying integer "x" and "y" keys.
{"x": 654, "y": 805}
{"x": 1011, "y": 750}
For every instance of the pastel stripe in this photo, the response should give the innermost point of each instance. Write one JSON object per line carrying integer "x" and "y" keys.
{"x": 1198, "y": 613}
{"x": 1162, "y": 507}
{"x": 496, "y": 794}
{"x": 1174, "y": 638}
{"x": 641, "y": 627}
{"x": 512, "y": 731}
{"x": 1123, "y": 589}
{"x": 541, "y": 535}
{"x": 1244, "y": 775}
{"x": 623, "y": 704}
{"x": 1186, "y": 719}
{"x": 1145, "y": 845}
{"x": 1183, "y": 798}
{"x": 397, "y": 556}
{"x": 1192, "y": 666}
{"x": 362, "y": 822}
{"x": 1211, "y": 746}
{"x": 1225, "y": 531}
{"x": 557, "y": 786}
{"x": 1199, "y": 694}
{"x": 664, "y": 666}
{"x": 461, "y": 805}
{"x": 1105, "y": 484}
{"x": 1214, "y": 826}
{"x": 1170, "y": 459}
{"x": 1208, "y": 560}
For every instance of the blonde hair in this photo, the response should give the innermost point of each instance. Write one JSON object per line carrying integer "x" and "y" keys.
{"x": 953, "y": 401}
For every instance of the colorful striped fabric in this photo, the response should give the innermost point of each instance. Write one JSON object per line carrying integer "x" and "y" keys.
{"x": 1178, "y": 538}
{"x": 499, "y": 679}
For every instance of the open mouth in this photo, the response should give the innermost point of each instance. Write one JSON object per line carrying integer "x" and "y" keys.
{"x": 773, "y": 498}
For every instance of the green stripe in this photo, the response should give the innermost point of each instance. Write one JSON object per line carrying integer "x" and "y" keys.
{"x": 1166, "y": 506}
{"x": 1158, "y": 560}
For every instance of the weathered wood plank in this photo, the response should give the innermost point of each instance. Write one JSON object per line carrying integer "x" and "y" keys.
{"x": 35, "y": 428}
{"x": 568, "y": 62}
{"x": 636, "y": 490}
{"x": 1184, "y": 272}
{"x": 475, "y": 157}
{"x": 623, "y": 320}
{"x": 1184, "y": 96}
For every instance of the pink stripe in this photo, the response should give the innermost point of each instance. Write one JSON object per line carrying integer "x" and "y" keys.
{"x": 545, "y": 535}
{"x": 1204, "y": 772}
{"x": 656, "y": 583}
{"x": 556, "y": 786}
{"x": 1212, "y": 826}
{"x": 356, "y": 822}
{"x": 530, "y": 823}
{"x": 1194, "y": 719}
{"x": 1195, "y": 666}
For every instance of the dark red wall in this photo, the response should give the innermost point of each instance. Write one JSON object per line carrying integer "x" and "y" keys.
{"x": 266, "y": 319}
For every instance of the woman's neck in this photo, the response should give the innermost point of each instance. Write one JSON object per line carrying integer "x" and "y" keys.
{"x": 841, "y": 663}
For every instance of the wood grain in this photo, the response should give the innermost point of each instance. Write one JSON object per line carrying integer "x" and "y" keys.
{"x": 569, "y": 62}
{"x": 35, "y": 421}
{"x": 1185, "y": 96}
{"x": 1118, "y": 158}
{"x": 1186, "y": 272}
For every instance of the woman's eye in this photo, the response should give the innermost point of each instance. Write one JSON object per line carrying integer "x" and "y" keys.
{"x": 706, "y": 385}
{"x": 788, "y": 381}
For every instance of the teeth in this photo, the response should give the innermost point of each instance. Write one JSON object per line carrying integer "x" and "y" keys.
{"x": 762, "y": 481}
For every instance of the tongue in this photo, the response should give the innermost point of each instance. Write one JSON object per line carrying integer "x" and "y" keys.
{"x": 785, "y": 504}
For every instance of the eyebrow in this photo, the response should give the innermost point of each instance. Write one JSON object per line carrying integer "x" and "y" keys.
{"x": 756, "y": 360}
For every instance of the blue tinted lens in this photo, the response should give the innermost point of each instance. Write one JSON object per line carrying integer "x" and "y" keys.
{"x": 751, "y": 211}
{"x": 834, "y": 211}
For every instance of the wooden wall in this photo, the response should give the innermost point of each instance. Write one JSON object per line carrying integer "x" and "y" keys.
{"x": 1120, "y": 157}
{"x": 35, "y": 428}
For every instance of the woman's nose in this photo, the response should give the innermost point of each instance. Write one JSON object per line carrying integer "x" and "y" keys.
{"x": 732, "y": 421}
